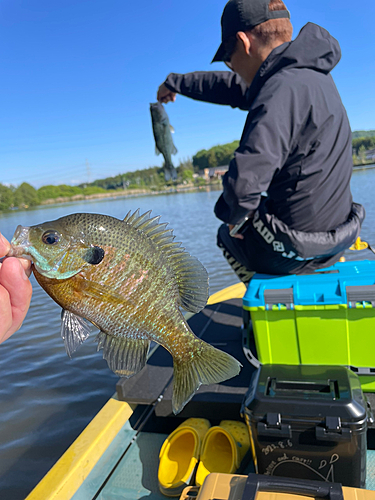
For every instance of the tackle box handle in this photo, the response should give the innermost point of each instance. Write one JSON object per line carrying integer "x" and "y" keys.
{"x": 275, "y": 484}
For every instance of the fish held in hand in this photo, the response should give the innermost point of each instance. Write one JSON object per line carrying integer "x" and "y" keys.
{"x": 129, "y": 278}
{"x": 163, "y": 139}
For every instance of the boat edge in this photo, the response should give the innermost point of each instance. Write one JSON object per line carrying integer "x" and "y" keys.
{"x": 68, "y": 474}
{"x": 70, "y": 471}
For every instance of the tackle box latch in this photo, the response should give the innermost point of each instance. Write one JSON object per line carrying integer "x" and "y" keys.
{"x": 360, "y": 297}
{"x": 282, "y": 298}
{"x": 333, "y": 431}
{"x": 274, "y": 426}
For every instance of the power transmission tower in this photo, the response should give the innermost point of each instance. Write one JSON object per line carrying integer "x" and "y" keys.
{"x": 88, "y": 171}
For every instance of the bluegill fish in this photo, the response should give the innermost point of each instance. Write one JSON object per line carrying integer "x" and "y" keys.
{"x": 163, "y": 139}
{"x": 128, "y": 278}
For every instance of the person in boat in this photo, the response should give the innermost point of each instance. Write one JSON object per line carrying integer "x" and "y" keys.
{"x": 286, "y": 201}
{"x": 15, "y": 291}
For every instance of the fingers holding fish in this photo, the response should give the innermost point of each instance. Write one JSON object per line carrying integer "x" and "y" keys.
{"x": 15, "y": 296}
{"x": 165, "y": 95}
{"x": 6, "y": 249}
{"x": 4, "y": 246}
{"x": 5, "y": 314}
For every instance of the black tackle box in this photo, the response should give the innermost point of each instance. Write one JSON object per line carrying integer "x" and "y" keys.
{"x": 308, "y": 422}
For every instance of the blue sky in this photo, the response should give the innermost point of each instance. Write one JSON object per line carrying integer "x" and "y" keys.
{"x": 77, "y": 77}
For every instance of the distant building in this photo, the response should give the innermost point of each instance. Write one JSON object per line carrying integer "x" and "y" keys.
{"x": 370, "y": 154}
{"x": 214, "y": 172}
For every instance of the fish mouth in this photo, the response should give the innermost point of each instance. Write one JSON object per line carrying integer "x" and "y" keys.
{"x": 20, "y": 242}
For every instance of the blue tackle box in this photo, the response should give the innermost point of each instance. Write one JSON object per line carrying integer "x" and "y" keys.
{"x": 323, "y": 318}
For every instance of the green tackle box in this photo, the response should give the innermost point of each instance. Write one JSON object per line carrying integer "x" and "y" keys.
{"x": 324, "y": 318}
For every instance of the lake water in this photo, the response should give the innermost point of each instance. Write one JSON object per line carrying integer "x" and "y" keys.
{"x": 47, "y": 399}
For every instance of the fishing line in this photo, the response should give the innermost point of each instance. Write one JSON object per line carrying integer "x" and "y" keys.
{"x": 210, "y": 319}
{"x": 146, "y": 414}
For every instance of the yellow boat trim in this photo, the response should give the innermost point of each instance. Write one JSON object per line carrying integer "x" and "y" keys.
{"x": 71, "y": 470}
{"x": 236, "y": 291}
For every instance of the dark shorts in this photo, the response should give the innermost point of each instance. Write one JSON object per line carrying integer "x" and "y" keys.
{"x": 257, "y": 253}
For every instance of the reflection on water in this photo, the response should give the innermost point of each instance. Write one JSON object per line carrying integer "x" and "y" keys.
{"x": 46, "y": 399}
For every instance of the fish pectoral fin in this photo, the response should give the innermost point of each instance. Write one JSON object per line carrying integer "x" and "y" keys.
{"x": 74, "y": 331}
{"x": 174, "y": 150}
{"x": 125, "y": 356}
{"x": 157, "y": 152}
{"x": 208, "y": 365}
{"x": 171, "y": 129}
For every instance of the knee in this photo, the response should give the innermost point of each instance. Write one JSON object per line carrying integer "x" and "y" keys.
{"x": 222, "y": 236}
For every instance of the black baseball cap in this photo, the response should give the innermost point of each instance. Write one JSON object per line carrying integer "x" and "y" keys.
{"x": 244, "y": 15}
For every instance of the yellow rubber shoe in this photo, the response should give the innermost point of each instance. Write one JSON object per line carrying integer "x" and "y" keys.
{"x": 179, "y": 455}
{"x": 359, "y": 245}
{"x": 223, "y": 449}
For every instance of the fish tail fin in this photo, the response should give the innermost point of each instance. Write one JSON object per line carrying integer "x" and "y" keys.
{"x": 174, "y": 174}
{"x": 167, "y": 175}
{"x": 170, "y": 173}
{"x": 208, "y": 366}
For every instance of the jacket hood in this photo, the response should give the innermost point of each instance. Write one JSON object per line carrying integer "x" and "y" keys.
{"x": 314, "y": 48}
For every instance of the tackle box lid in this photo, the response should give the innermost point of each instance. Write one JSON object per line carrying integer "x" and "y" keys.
{"x": 310, "y": 392}
{"x": 343, "y": 283}
{"x": 220, "y": 486}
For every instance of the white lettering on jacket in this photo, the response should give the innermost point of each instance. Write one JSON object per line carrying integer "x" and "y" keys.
{"x": 269, "y": 238}
{"x": 262, "y": 229}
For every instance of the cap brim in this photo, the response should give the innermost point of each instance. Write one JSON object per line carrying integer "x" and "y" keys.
{"x": 219, "y": 54}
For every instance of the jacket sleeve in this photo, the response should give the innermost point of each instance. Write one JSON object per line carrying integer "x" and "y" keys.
{"x": 218, "y": 87}
{"x": 263, "y": 150}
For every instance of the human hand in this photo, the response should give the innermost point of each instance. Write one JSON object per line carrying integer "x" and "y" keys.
{"x": 165, "y": 95}
{"x": 237, "y": 235}
{"x": 15, "y": 291}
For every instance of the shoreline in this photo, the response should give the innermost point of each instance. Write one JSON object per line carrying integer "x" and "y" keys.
{"x": 133, "y": 193}
{"x": 363, "y": 166}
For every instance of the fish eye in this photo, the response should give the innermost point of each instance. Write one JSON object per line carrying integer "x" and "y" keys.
{"x": 51, "y": 237}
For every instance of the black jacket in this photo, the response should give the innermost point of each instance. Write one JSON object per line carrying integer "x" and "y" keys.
{"x": 296, "y": 143}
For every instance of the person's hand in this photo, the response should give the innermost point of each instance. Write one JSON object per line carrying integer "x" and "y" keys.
{"x": 165, "y": 95}
{"x": 238, "y": 235}
{"x": 15, "y": 291}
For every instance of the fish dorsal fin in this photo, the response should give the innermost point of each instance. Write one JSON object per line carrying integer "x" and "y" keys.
{"x": 192, "y": 279}
{"x": 191, "y": 276}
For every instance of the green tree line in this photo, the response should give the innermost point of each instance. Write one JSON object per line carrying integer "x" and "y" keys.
{"x": 215, "y": 157}
{"x": 363, "y": 133}
{"x": 25, "y": 195}
{"x": 152, "y": 178}
{"x": 360, "y": 146}
{"x": 147, "y": 178}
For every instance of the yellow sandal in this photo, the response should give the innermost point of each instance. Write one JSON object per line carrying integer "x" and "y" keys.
{"x": 223, "y": 449}
{"x": 179, "y": 456}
